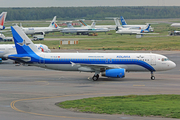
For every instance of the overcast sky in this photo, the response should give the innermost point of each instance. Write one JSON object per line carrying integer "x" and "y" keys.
{"x": 77, "y": 3}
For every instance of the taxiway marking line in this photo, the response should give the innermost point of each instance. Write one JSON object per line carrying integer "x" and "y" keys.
{"x": 16, "y": 109}
{"x": 20, "y": 100}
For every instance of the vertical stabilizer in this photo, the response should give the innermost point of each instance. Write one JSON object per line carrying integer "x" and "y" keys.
{"x": 93, "y": 24}
{"x": 123, "y": 22}
{"x": 53, "y": 23}
{"x": 83, "y": 23}
{"x": 69, "y": 24}
{"x": 116, "y": 20}
{"x": 147, "y": 27}
{"x": 2, "y": 20}
{"x": 23, "y": 44}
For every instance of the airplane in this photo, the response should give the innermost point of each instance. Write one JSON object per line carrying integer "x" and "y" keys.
{"x": 53, "y": 27}
{"x": 125, "y": 25}
{"x": 121, "y": 30}
{"x": 110, "y": 27}
{"x": 133, "y": 31}
{"x": 9, "y": 49}
{"x": 2, "y": 20}
{"x": 4, "y": 38}
{"x": 84, "y": 30}
{"x": 175, "y": 25}
{"x": 112, "y": 65}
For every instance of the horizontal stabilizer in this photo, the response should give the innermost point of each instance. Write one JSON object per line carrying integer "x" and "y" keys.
{"x": 25, "y": 59}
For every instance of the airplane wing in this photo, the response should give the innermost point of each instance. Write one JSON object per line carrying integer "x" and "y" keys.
{"x": 5, "y": 31}
{"x": 25, "y": 59}
{"x": 8, "y": 28}
{"x": 96, "y": 67}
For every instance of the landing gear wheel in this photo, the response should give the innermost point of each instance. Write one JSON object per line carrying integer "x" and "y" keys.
{"x": 95, "y": 77}
{"x": 152, "y": 78}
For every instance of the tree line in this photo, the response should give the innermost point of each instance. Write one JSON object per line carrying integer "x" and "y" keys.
{"x": 89, "y": 13}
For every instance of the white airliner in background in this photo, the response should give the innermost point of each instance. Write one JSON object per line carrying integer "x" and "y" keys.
{"x": 9, "y": 49}
{"x": 175, "y": 25}
{"x": 112, "y": 65}
{"x": 131, "y": 31}
{"x": 53, "y": 27}
{"x": 110, "y": 27}
{"x": 84, "y": 30}
{"x": 125, "y": 25}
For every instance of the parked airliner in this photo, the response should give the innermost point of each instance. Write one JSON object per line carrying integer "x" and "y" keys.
{"x": 125, "y": 25}
{"x": 9, "y": 49}
{"x": 113, "y": 65}
{"x": 53, "y": 27}
{"x": 84, "y": 30}
{"x": 175, "y": 25}
{"x": 110, "y": 27}
{"x": 136, "y": 31}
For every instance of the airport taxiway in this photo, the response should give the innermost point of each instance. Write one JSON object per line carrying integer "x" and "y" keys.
{"x": 28, "y": 92}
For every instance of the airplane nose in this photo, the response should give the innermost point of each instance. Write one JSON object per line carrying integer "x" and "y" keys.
{"x": 172, "y": 65}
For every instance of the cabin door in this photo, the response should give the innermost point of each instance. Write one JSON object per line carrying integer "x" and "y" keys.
{"x": 153, "y": 60}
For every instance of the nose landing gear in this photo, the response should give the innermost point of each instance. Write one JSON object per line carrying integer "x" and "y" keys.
{"x": 152, "y": 76}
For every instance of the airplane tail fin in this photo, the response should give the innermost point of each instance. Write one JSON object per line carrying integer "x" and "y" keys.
{"x": 148, "y": 26}
{"x": 20, "y": 25}
{"x": 83, "y": 23}
{"x": 93, "y": 24}
{"x": 23, "y": 44}
{"x": 116, "y": 20}
{"x": 69, "y": 24}
{"x": 53, "y": 23}
{"x": 123, "y": 22}
{"x": 2, "y": 20}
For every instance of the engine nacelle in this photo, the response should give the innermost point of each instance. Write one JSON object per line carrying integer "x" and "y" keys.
{"x": 2, "y": 27}
{"x": 5, "y": 58}
{"x": 114, "y": 73}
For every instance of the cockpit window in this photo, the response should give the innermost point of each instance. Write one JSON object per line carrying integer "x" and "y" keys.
{"x": 165, "y": 59}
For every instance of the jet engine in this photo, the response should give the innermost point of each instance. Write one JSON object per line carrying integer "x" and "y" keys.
{"x": 114, "y": 73}
{"x": 2, "y": 27}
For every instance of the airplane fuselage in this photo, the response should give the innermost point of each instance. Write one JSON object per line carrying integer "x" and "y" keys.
{"x": 141, "y": 27}
{"x": 39, "y": 30}
{"x": 80, "y": 61}
{"x": 110, "y": 27}
{"x": 131, "y": 31}
{"x": 175, "y": 25}
{"x": 83, "y": 29}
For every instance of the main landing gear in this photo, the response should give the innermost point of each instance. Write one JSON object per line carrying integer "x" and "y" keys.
{"x": 152, "y": 76}
{"x": 95, "y": 77}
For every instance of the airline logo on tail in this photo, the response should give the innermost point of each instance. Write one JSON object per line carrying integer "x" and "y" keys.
{"x": 54, "y": 25}
{"x": 123, "y": 21}
{"x": 23, "y": 43}
{"x": 41, "y": 48}
{"x": 83, "y": 23}
{"x": 2, "y": 20}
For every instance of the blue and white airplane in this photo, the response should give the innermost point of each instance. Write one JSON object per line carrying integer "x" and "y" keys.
{"x": 131, "y": 31}
{"x": 125, "y": 25}
{"x": 113, "y": 65}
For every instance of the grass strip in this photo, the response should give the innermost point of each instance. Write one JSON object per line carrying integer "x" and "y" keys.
{"x": 141, "y": 105}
